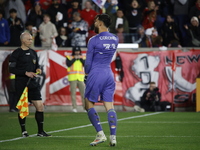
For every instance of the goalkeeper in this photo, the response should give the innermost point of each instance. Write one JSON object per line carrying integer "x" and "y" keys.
{"x": 100, "y": 79}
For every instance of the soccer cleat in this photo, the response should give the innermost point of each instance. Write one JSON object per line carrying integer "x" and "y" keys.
{"x": 113, "y": 141}
{"x": 100, "y": 138}
{"x": 25, "y": 134}
{"x": 43, "y": 134}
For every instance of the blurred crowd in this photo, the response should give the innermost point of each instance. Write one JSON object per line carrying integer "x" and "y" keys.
{"x": 68, "y": 23}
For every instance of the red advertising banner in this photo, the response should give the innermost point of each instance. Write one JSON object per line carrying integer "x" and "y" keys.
{"x": 59, "y": 86}
{"x": 174, "y": 72}
{"x": 185, "y": 74}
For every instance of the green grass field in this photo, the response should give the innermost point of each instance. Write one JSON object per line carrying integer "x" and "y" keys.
{"x": 136, "y": 131}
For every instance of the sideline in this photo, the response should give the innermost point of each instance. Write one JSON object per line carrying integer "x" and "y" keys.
{"x": 83, "y": 126}
{"x": 133, "y": 136}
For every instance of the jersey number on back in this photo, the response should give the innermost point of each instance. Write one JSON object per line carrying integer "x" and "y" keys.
{"x": 109, "y": 46}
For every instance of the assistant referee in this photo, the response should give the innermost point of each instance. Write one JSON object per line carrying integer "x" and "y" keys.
{"x": 24, "y": 64}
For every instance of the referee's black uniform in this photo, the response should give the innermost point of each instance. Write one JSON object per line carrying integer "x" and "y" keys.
{"x": 20, "y": 62}
{"x": 24, "y": 64}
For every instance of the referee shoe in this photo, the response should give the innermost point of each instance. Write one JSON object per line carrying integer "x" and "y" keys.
{"x": 43, "y": 134}
{"x": 25, "y": 134}
{"x": 100, "y": 138}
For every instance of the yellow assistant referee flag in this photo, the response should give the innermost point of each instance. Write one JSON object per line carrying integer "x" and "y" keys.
{"x": 22, "y": 104}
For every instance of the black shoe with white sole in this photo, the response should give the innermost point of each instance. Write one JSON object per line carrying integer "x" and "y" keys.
{"x": 43, "y": 134}
{"x": 25, "y": 134}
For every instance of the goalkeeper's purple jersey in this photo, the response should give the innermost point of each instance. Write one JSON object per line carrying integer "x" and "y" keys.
{"x": 101, "y": 49}
{"x": 100, "y": 81}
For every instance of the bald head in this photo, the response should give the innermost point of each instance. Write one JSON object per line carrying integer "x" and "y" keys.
{"x": 24, "y": 35}
{"x": 26, "y": 39}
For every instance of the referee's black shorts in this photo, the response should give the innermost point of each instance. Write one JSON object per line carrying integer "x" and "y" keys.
{"x": 33, "y": 89}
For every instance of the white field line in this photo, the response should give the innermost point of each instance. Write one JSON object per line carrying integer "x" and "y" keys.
{"x": 161, "y": 122}
{"x": 83, "y": 126}
{"x": 139, "y": 136}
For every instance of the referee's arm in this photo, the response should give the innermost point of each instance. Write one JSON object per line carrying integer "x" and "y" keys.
{"x": 13, "y": 65}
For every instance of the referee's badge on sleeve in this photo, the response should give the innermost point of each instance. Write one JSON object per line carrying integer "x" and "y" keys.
{"x": 34, "y": 61}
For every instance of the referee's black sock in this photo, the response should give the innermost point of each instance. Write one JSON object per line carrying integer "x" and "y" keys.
{"x": 39, "y": 117}
{"x": 22, "y": 123}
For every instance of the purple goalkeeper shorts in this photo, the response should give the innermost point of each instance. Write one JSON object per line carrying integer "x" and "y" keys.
{"x": 100, "y": 83}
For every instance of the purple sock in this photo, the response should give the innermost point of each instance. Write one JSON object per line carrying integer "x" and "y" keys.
{"x": 94, "y": 119}
{"x": 112, "y": 120}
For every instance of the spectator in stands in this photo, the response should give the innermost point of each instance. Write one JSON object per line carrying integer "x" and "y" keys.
{"x": 35, "y": 34}
{"x": 134, "y": 16}
{"x": 88, "y": 14}
{"x": 58, "y": 14}
{"x": 150, "y": 100}
{"x": 3, "y": 3}
{"x": 141, "y": 37}
{"x": 47, "y": 32}
{"x": 120, "y": 33}
{"x": 195, "y": 10}
{"x": 28, "y": 4}
{"x": 91, "y": 33}
{"x": 181, "y": 18}
{"x": 62, "y": 39}
{"x": 170, "y": 31}
{"x": 157, "y": 41}
{"x": 151, "y": 34}
{"x": 80, "y": 3}
{"x": 193, "y": 31}
{"x": 119, "y": 18}
{"x": 4, "y": 31}
{"x": 161, "y": 13}
{"x": 45, "y": 4}
{"x": 36, "y": 15}
{"x": 174, "y": 43}
{"x": 84, "y": 2}
{"x": 110, "y": 7}
{"x": 17, "y": 5}
{"x": 74, "y": 8}
{"x": 78, "y": 30}
{"x": 126, "y": 4}
{"x": 164, "y": 7}
{"x": 149, "y": 15}
{"x": 16, "y": 28}
{"x": 32, "y": 30}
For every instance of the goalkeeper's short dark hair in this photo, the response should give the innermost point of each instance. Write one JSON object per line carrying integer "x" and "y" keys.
{"x": 105, "y": 19}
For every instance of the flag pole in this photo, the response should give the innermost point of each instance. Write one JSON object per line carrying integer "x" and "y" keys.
{"x": 29, "y": 80}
